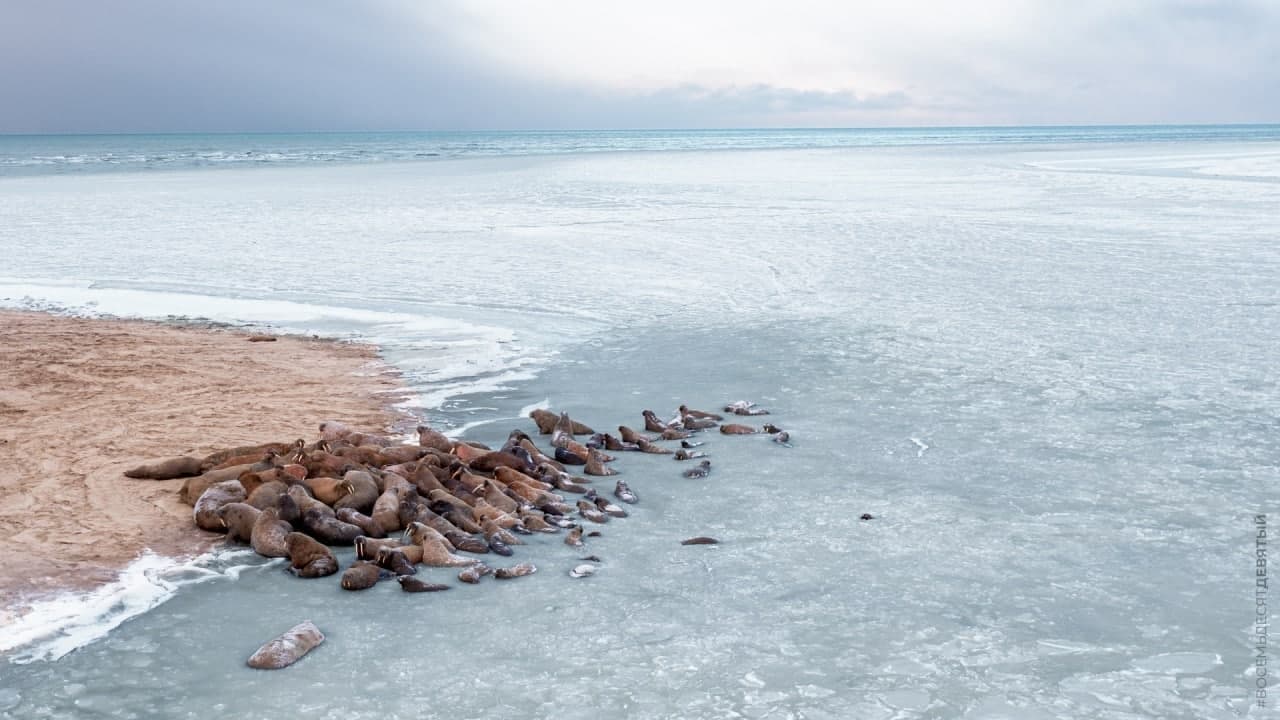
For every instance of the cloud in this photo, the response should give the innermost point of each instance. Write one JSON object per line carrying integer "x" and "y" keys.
{"x": 239, "y": 65}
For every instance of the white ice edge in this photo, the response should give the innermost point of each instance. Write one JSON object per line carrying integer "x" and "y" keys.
{"x": 450, "y": 357}
{"x": 50, "y": 629}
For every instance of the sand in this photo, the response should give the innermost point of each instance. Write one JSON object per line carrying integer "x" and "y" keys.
{"x": 83, "y": 400}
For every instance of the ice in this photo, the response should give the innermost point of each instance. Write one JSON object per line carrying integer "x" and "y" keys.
{"x": 1048, "y": 372}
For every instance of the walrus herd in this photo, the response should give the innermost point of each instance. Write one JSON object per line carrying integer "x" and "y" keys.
{"x": 438, "y": 503}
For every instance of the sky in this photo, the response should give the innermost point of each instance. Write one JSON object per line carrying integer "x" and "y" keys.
{"x": 346, "y": 65}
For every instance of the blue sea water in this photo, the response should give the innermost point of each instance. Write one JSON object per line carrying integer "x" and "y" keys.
{"x": 39, "y": 154}
{"x": 1043, "y": 358}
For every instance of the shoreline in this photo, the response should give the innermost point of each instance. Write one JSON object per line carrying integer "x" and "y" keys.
{"x": 84, "y": 399}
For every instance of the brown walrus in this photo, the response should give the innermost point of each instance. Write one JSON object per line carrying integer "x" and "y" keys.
{"x": 306, "y": 502}
{"x": 178, "y": 467}
{"x": 652, "y": 423}
{"x": 699, "y": 414}
{"x": 473, "y": 574}
{"x": 652, "y": 448}
{"x": 329, "y": 529}
{"x": 736, "y": 429}
{"x": 266, "y": 495}
{"x": 596, "y": 464}
{"x": 239, "y": 518}
{"x": 386, "y": 510}
{"x": 546, "y": 422}
{"x": 268, "y": 535}
{"x": 413, "y": 584}
{"x": 362, "y": 575}
{"x": 194, "y": 487}
{"x": 327, "y": 490}
{"x": 395, "y": 561}
{"x": 254, "y": 452}
{"x": 308, "y": 558}
{"x": 361, "y": 491}
{"x": 434, "y": 439}
{"x": 490, "y": 461}
{"x": 212, "y": 500}
{"x": 367, "y": 548}
{"x": 631, "y": 436}
{"x": 364, "y": 522}
{"x": 288, "y": 648}
{"x": 435, "y": 548}
{"x": 515, "y": 571}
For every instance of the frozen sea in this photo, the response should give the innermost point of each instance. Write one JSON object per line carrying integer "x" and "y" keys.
{"x": 1044, "y": 359}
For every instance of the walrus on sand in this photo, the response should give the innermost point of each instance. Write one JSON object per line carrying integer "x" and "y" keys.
{"x": 212, "y": 500}
{"x": 178, "y": 467}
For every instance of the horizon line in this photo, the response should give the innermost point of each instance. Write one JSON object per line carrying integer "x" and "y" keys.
{"x": 131, "y": 133}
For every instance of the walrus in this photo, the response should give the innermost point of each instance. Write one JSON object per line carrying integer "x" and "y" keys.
{"x": 631, "y": 436}
{"x": 211, "y": 501}
{"x": 652, "y": 448}
{"x": 692, "y": 423}
{"x": 254, "y": 452}
{"x": 535, "y": 522}
{"x": 361, "y": 491}
{"x": 700, "y": 414}
{"x": 367, "y": 548}
{"x": 194, "y": 487}
{"x": 386, "y": 510}
{"x": 434, "y": 439}
{"x": 268, "y": 535}
{"x": 362, "y": 575}
{"x": 413, "y": 584}
{"x": 588, "y": 510}
{"x": 361, "y": 438}
{"x": 305, "y": 501}
{"x": 568, "y": 457}
{"x": 473, "y": 574}
{"x": 328, "y": 529}
{"x": 288, "y": 648}
{"x": 596, "y": 464}
{"x": 489, "y": 461}
{"x": 366, "y": 524}
{"x": 308, "y": 558}
{"x": 565, "y": 482}
{"x": 574, "y": 538}
{"x": 736, "y": 429}
{"x": 435, "y": 549}
{"x": 266, "y": 495}
{"x": 395, "y": 561}
{"x": 609, "y": 508}
{"x": 624, "y": 493}
{"x": 466, "y": 543}
{"x": 700, "y": 540}
{"x": 701, "y": 471}
{"x": 744, "y": 407}
{"x": 178, "y": 467}
{"x": 515, "y": 571}
{"x": 327, "y": 490}
{"x": 492, "y": 530}
{"x": 652, "y": 423}
{"x": 683, "y": 454}
{"x": 332, "y": 430}
{"x": 782, "y": 438}
{"x": 546, "y": 422}
{"x": 239, "y": 518}
{"x": 538, "y": 456}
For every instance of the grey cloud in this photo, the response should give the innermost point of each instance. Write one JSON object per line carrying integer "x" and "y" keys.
{"x": 289, "y": 65}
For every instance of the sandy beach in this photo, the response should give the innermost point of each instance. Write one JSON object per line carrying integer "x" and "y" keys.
{"x": 82, "y": 400}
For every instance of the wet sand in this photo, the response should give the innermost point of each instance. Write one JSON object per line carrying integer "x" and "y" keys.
{"x": 83, "y": 400}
